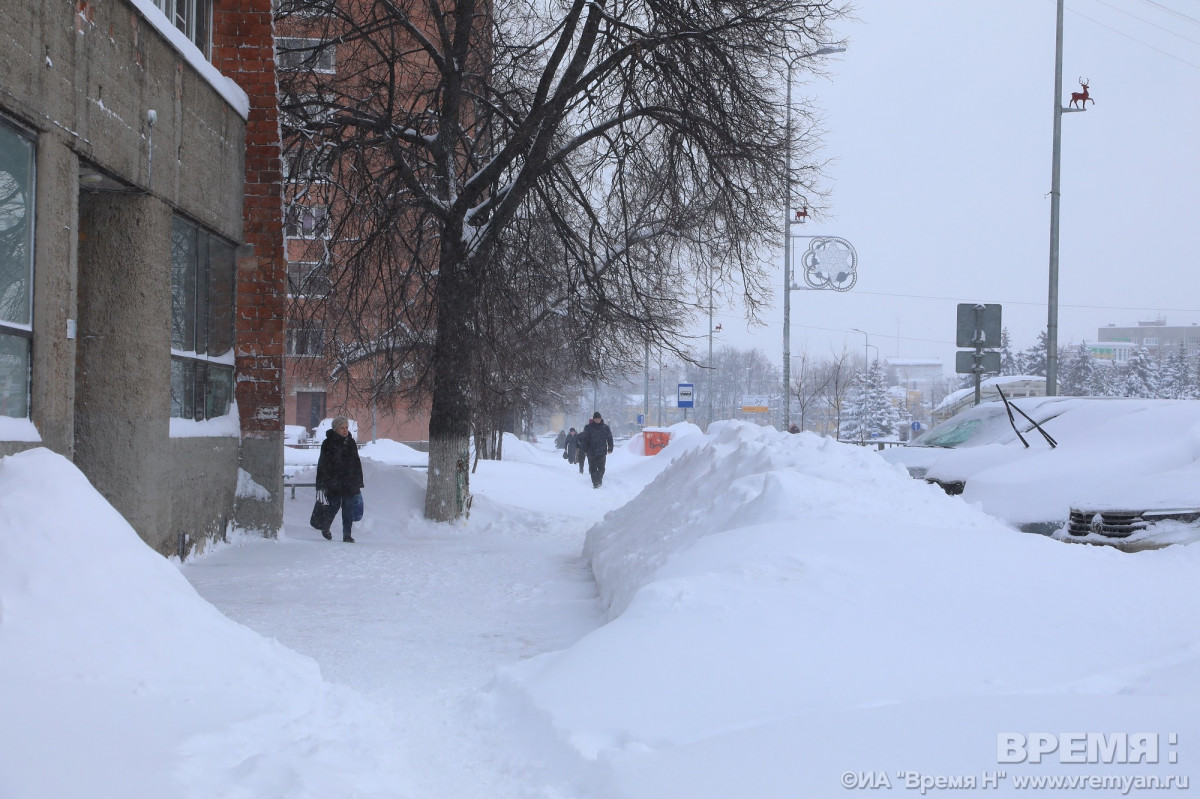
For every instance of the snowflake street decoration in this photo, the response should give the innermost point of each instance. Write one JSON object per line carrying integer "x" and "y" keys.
{"x": 830, "y": 263}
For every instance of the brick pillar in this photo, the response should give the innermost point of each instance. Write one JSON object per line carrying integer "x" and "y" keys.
{"x": 244, "y": 49}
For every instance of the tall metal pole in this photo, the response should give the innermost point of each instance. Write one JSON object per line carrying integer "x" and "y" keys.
{"x": 710, "y": 360}
{"x": 1052, "y": 300}
{"x": 646, "y": 389}
{"x": 866, "y": 344}
{"x": 787, "y": 259}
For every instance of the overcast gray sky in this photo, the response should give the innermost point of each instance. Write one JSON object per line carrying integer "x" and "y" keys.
{"x": 939, "y": 121}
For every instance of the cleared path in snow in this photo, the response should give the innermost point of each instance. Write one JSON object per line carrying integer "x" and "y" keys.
{"x": 418, "y": 617}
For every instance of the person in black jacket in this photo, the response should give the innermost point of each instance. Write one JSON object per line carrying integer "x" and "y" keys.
{"x": 574, "y": 454}
{"x": 596, "y": 442}
{"x": 339, "y": 475}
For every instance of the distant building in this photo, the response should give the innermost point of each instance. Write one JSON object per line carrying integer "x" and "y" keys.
{"x": 1113, "y": 352}
{"x": 922, "y": 383}
{"x": 1156, "y": 336}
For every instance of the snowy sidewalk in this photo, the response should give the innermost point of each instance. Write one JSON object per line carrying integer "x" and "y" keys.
{"x": 418, "y": 617}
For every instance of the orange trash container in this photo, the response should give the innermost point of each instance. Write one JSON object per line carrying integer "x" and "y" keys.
{"x": 655, "y": 441}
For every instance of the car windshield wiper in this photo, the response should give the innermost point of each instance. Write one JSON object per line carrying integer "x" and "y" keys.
{"x": 1008, "y": 406}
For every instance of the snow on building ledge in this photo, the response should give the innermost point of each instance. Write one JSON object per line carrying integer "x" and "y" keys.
{"x": 224, "y": 86}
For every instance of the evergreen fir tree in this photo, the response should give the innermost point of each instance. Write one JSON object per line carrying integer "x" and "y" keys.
{"x": 1008, "y": 361}
{"x": 1033, "y": 360}
{"x": 1140, "y": 375}
{"x": 1078, "y": 373}
{"x": 1175, "y": 381}
{"x": 872, "y": 414}
{"x": 1105, "y": 381}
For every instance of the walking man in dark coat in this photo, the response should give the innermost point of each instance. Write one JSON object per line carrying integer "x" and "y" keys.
{"x": 340, "y": 476}
{"x": 596, "y": 442}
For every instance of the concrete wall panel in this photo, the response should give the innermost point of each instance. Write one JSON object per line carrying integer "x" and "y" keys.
{"x": 122, "y": 403}
{"x": 54, "y": 294}
{"x": 203, "y": 480}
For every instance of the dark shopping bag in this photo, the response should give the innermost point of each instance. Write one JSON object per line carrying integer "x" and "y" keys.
{"x": 322, "y": 512}
{"x": 354, "y": 507}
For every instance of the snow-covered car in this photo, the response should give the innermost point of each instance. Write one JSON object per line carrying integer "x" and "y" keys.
{"x": 1096, "y": 454}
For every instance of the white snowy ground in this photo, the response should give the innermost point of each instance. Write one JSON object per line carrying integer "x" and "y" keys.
{"x": 772, "y": 616}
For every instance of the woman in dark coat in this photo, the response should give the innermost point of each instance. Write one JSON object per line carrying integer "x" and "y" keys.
{"x": 339, "y": 475}
{"x": 572, "y": 445}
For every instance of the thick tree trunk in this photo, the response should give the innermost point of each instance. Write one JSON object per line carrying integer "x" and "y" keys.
{"x": 447, "y": 494}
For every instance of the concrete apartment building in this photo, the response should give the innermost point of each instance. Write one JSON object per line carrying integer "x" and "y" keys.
{"x": 141, "y": 256}
{"x": 1117, "y": 342}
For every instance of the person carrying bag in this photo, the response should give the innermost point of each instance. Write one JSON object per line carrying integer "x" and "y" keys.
{"x": 339, "y": 482}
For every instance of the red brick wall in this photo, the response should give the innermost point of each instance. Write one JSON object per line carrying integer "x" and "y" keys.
{"x": 244, "y": 49}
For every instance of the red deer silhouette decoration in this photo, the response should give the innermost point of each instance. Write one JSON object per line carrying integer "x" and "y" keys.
{"x": 1081, "y": 97}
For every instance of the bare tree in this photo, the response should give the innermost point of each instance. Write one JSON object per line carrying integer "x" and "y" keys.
{"x": 840, "y": 371}
{"x": 623, "y": 126}
{"x": 809, "y": 384}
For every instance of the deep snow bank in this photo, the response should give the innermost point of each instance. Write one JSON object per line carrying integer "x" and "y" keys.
{"x": 118, "y": 680}
{"x": 785, "y": 608}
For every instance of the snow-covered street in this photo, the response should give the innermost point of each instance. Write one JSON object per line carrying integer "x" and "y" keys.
{"x": 418, "y": 617}
{"x": 747, "y": 613}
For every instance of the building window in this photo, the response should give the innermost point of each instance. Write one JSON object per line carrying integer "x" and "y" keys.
{"x": 1150, "y": 342}
{"x": 193, "y": 17}
{"x": 16, "y": 270}
{"x": 308, "y": 279}
{"x": 307, "y": 222}
{"x": 305, "y": 341}
{"x": 312, "y": 164}
{"x": 307, "y": 8}
{"x": 202, "y": 291}
{"x": 293, "y": 54}
{"x": 304, "y": 113}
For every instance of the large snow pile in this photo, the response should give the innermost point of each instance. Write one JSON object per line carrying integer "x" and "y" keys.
{"x": 120, "y": 681}
{"x": 387, "y": 451}
{"x": 786, "y": 610}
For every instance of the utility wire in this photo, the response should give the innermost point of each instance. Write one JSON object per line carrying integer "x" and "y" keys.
{"x": 1172, "y": 12}
{"x": 1135, "y": 39}
{"x": 1120, "y": 10}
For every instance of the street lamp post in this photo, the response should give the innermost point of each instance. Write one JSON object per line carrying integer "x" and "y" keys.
{"x": 787, "y": 233}
{"x": 866, "y": 343}
{"x": 708, "y": 422}
{"x": 1055, "y": 180}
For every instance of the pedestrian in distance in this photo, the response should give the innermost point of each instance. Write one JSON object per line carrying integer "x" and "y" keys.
{"x": 596, "y": 441}
{"x": 560, "y": 441}
{"x": 340, "y": 477}
{"x": 571, "y": 448}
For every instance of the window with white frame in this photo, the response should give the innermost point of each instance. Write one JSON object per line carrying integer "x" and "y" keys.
{"x": 1150, "y": 342}
{"x": 304, "y": 113}
{"x": 295, "y": 53}
{"x": 307, "y": 8}
{"x": 308, "y": 163}
{"x": 307, "y": 222}
{"x": 16, "y": 269}
{"x": 308, "y": 279}
{"x": 193, "y": 17}
{"x": 305, "y": 340}
{"x": 202, "y": 293}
